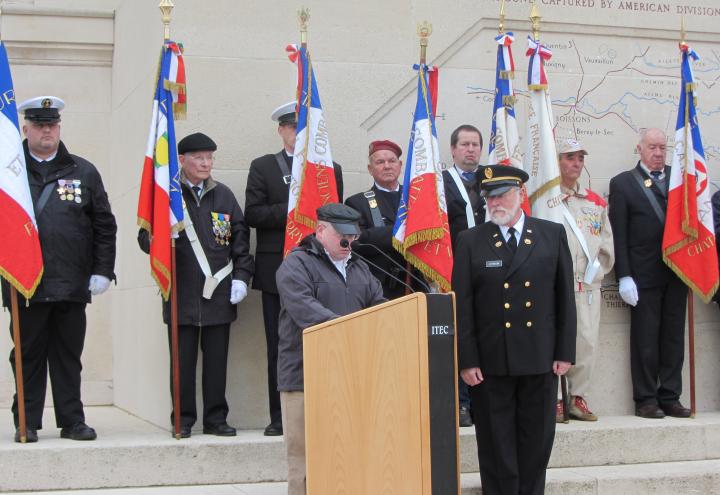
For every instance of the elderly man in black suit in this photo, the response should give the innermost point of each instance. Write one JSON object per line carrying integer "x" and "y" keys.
{"x": 513, "y": 280}
{"x": 638, "y": 200}
{"x": 266, "y": 208}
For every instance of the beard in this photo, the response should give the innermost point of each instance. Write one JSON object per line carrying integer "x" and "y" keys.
{"x": 502, "y": 216}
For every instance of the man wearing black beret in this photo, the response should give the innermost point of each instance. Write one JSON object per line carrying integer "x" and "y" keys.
{"x": 214, "y": 267}
{"x": 513, "y": 280}
{"x": 319, "y": 280}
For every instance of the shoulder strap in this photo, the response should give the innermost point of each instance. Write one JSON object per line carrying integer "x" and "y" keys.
{"x": 463, "y": 193}
{"x": 284, "y": 170}
{"x": 374, "y": 209}
{"x": 649, "y": 195}
{"x": 43, "y": 199}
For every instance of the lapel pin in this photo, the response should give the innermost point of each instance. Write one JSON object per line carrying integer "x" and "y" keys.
{"x": 528, "y": 241}
{"x": 648, "y": 182}
{"x": 498, "y": 244}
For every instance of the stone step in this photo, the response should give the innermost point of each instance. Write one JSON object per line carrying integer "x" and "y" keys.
{"x": 131, "y": 452}
{"x": 668, "y": 478}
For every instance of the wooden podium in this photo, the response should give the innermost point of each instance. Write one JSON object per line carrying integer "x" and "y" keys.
{"x": 381, "y": 400}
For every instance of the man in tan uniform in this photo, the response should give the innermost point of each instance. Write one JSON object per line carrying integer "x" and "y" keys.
{"x": 591, "y": 247}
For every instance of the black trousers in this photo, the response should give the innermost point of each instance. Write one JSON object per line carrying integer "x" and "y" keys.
{"x": 271, "y": 314}
{"x": 657, "y": 343}
{"x": 214, "y": 341}
{"x": 515, "y": 428}
{"x": 51, "y": 334}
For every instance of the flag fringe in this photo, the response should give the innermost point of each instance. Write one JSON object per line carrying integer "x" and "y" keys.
{"x": 543, "y": 189}
{"x": 706, "y": 298}
{"x": 427, "y": 271}
{"x": 160, "y": 267}
{"x": 27, "y": 293}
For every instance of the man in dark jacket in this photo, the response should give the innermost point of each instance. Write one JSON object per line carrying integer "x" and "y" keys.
{"x": 213, "y": 269}
{"x": 466, "y": 208}
{"x": 638, "y": 200}
{"x": 77, "y": 237}
{"x": 266, "y": 209}
{"x": 318, "y": 281}
{"x": 513, "y": 280}
{"x": 378, "y": 208}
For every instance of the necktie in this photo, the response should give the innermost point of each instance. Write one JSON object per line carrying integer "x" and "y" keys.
{"x": 469, "y": 176}
{"x": 656, "y": 174}
{"x": 512, "y": 241}
{"x": 196, "y": 190}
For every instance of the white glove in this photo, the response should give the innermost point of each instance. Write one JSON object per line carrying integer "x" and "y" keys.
{"x": 628, "y": 291}
{"x": 238, "y": 291}
{"x": 98, "y": 284}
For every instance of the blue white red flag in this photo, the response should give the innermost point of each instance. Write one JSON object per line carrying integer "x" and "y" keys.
{"x": 421, "y": 232}
{"x": 689, "y": 239}
{"x": 503, "y": 146}
{"x": 160, "y": 209}
{"x": 541, "y": 159}
{"x": 21, "y": 260}
{"x": 313, "y": 178}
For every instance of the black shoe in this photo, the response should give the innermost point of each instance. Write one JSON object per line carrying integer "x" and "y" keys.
{"x": 221, "y": 430}
{"x": 78, "y": 431}
{"x": 274, "y": 429}
{"x": 185, "y": 431}
{"x": 676, "y": 410}
{"x": 465, "y": 418}
{"x": 31, "y": 436}
{"x": 649, "y": 411}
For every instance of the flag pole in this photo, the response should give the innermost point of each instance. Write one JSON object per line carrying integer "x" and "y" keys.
{"x": 690, "y": 305}
{"x": 19, "y": 382}
{"x": 424, "y": 30}
{"x": 166, "y": 7}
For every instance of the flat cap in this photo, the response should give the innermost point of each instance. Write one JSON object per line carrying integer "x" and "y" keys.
{"x": 384, "y": 145}
{"x": 285, "y": 113}
{"x": 570, "y": 146}
{"x": 42, "y": 109}
{"x": 196, "y": 142}
{"x": 498, "y": 179}
{"x": 343, "y": 218}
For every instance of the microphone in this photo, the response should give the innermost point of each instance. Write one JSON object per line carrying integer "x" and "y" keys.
{"x": 405, "y": 270}
{"x": 345, "y": 243}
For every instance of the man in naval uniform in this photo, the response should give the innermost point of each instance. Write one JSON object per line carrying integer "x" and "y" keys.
{"x": 638, "y": 200}
{"x": 465, "y": 208}
{"x": 591, "y": 248}
{"x": 517, "y": 327}
{"x": 77, "y": 236}
{"x": 266, "y": 209}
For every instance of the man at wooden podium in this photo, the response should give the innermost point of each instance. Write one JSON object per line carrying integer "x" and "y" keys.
{"x": 319, "y": 280}
{"x": 516, "y": 325}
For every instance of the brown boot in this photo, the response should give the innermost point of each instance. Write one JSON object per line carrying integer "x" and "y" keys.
{"x": 559, "y": 413}
{"x": 580, "y": 410}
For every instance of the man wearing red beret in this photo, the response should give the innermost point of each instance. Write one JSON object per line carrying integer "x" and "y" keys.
{"x": 378, "y": 207}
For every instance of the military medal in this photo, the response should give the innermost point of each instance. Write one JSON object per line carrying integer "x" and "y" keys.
{"x": 648, "y": 182}
{"x": 221, "y": 228}
{"x": 527, "y": 241}
{"x": 62, "y": 190}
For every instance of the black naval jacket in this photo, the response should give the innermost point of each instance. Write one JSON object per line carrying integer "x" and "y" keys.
{"x": 637, "y": 231}
{"x": 266, "y": 204}
{"x": 381, "y": 237}
{"x": 457, "y": 217}
{"x": 193, "y": 309}
{"x": 77, "y": 231}
{"x": 515, "y": 314}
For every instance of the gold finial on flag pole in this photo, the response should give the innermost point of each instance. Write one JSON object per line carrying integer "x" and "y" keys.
{"x": 682, "y": 29}
{"x": 166, "y": 7}
{"x": 535, "y": 19}
{"x": 501, "y": 27}
{"x": 303, "y": 18}
{"x": 424, "y": 30}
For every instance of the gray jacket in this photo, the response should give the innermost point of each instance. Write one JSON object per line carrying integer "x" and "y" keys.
{"x": 312, "y": 291}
